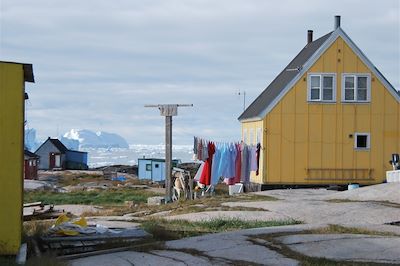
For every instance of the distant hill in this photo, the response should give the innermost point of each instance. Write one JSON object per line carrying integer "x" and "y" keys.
{"x": 76, "y": 139}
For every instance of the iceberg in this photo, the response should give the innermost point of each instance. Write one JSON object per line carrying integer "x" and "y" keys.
{"x": 84, "y": 138}
{"x": 31, "y": 144}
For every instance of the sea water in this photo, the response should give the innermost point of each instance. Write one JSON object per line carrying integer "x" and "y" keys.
{"x": 112, "y": 156}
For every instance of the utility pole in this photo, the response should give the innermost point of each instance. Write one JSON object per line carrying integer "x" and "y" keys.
{"x": 168, "y": 110}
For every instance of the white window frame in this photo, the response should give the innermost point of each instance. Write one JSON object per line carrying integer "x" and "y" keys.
{"x": 252, "y": 136}
{"x": 258, "y": 135}
{"x": 321, "y": 89}
{"x": 368, "y": 140}
{"x": 356, "y": 76}
{"x": 245, "y": 136}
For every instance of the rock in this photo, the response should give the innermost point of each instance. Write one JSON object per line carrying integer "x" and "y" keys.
{"x": 158, "y": 200}
{"x": 347, "y": 247}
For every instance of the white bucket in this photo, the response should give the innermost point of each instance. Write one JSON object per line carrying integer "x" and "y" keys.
{"x": 353, "y": 186}
{"x": 235, "y": 189}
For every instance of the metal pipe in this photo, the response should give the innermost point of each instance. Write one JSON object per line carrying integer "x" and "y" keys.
{"x": 337, "y": 22}
{"x": 309, "y": 36}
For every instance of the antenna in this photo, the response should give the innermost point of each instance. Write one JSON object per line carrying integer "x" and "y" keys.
{"x": 168, "y": 110}
{"x": 244, "y": 99}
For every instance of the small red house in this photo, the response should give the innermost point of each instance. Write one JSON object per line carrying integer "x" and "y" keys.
{"x": 30, "y": 165}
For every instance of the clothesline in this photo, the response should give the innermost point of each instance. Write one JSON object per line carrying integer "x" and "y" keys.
{"x": 232, "y": 161}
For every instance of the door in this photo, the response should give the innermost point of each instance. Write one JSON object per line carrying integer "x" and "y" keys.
{"x": 26, "y": 170}
{"x": 55, "y": 160}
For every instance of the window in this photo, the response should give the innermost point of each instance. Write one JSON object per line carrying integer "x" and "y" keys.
{"x": 57, "y": 160}
{"x": 259, "y": 135}
{"x": 356, "y": 88}
{"x": 148, "y": 167}
{"x": 251, "y": 136}
{"x": 322, "y": 87}
{"x": 362, "y": 141}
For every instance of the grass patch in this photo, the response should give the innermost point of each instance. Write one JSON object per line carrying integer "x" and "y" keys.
{"x": 99, "y": 197}
{"x": 73, "y": 179}
{"x": 206, "y": 204}
{"x": 35, "y": 228}
{"x": 162, "y": 229}
{"x": 339, "y": 200}
{"x": 338, "y": 229}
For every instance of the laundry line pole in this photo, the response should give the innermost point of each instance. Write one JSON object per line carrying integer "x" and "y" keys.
{"x": 168, "y": 110}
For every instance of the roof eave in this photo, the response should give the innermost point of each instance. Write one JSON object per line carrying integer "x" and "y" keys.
{"x": 250, "y": 119}
{"x": 28, "y": 73}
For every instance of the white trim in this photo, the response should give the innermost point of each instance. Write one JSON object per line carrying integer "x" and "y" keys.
{"x": 337, "y": 33}
{"x": 368, "y": 140}
{"x": 252, "y": 119}
{"x": 356, "y": 75}
{"x": 321, "y": 82}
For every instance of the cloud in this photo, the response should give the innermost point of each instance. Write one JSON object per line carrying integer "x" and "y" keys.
{"x": 97, "y": 63}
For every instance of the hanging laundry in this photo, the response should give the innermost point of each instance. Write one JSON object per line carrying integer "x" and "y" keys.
{"x": 238, "y": 163}
{"x": 206, "y": 174}
{"x": 231, "y": 161}
{"x": 199, "y": 171}
{"x": 195, "y": 145}
{"x": 199, "y": 150}
{"x": 258, "y": 157}
{"x": 253, "y": 158}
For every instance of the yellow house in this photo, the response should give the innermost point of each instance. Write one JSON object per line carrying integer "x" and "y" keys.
{"x": 330, "y": 117}
{"x": 12, "y": 96}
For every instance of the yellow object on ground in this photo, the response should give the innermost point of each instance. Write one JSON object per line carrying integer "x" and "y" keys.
{"x": 81, "y": 222}
{"x": 65, "y": 227}
{"x": 61, "y": 219}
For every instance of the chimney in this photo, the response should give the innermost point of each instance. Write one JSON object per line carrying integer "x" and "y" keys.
{"x": 337, "y": 22}
{"x": 309, "y": 36}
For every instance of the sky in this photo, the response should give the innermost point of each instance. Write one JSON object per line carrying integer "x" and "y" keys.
{"x": 97, "y": 63}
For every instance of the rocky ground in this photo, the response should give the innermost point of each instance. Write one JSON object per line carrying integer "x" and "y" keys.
{"x": 349, "y": 227}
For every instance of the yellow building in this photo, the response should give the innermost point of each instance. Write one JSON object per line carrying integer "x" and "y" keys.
{"x": 330, "y": 117}
{"x": 12, "y": 95}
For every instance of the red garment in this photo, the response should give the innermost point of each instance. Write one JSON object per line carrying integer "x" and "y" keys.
{"x": 205, "y": 177}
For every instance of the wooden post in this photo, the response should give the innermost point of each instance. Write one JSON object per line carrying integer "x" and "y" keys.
{"x": 168, "y": 110}
{"x": 168, "y": 158}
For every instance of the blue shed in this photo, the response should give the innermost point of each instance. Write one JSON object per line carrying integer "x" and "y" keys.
{"x": 153, "y": 168}
{"x": 77, "y": 159}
